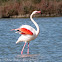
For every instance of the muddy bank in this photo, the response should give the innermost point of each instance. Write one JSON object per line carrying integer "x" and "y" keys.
{"x": 41, "y": 15}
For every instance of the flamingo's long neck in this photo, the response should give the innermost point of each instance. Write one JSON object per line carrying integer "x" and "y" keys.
{"x": 37, "y": 32}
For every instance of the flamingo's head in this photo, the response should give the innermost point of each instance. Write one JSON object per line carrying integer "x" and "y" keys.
{"x": 34, "y": 12}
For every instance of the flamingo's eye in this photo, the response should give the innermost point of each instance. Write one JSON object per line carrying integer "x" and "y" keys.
{"x": 17, "y": 30}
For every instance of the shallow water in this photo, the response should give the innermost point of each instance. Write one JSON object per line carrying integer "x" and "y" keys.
{"x": 47, "y": 47}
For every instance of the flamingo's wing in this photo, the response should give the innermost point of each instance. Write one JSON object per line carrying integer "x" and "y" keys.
{"x": 25, "y": 31}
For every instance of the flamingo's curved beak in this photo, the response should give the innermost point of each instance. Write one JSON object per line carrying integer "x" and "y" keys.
{"x": 12, "y": 29}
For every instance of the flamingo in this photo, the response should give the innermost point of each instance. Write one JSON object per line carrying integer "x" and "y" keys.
{"x": 28, "y": 32}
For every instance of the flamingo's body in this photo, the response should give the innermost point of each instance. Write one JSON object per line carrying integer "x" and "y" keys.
{"x": 28, "y": 32}
{"x": 28, "y": 35}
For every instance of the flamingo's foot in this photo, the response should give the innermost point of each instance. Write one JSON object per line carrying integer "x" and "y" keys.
{"x": 27, "y": 52}
{"x": 21, "y": 52}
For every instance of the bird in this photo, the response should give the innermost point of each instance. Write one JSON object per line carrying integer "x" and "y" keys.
{"x": 27, "y": 32}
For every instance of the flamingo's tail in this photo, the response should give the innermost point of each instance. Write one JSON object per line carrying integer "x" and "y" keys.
{"x": 17, "y": 42}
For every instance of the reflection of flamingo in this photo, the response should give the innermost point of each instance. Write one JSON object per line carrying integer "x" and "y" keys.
{"x": 28, "y": 32}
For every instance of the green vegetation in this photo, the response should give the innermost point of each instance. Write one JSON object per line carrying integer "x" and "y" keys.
{"x": 10, "y": 8}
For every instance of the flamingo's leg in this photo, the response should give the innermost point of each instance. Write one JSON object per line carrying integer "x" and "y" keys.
{"x": 28, "y": 49}
{"x": 23, "y": 48}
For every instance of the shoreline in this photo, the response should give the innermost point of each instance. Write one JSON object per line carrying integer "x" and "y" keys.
{"x": 28, "y": 15}
{"x": 40, "y": 15}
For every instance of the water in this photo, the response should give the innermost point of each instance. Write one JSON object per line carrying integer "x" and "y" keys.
{"x": 47, "y": 47}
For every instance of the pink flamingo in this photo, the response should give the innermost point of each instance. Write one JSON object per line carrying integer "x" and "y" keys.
{"x": 28, "y": 32}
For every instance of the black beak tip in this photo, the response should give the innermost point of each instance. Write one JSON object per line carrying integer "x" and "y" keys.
{"x": 41, "y": 12}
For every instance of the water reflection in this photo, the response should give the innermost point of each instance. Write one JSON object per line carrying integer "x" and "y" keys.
{"x": 28, "y": 58}
{"x": 28, "y": 55}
